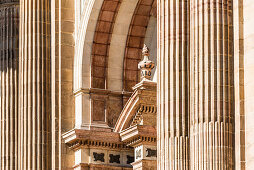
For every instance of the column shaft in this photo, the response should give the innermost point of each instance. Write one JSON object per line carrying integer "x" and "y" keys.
{"x": 172, "y": 120}
{"x": 211, "y": 75}
{"x": 8, "y": 84}
{"x": 34, "y": 85}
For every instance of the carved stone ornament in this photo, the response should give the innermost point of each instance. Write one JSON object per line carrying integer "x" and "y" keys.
{"x": 151, "y": 153}
{"x": 143, "y": 109}
{"x": 114, "y": 158}
{"x": 130, "y": 159}
{"x": 146, "y": 65}
{"x": 138, "y": 154}
{"x": 98, "y": 157}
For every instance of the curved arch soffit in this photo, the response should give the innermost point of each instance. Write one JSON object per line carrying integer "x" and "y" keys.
{"x": 135, "y": 41}
{"x": 83, "y": 48}
{"x": 83, "y": 51}
{"x": 118, "y": 44}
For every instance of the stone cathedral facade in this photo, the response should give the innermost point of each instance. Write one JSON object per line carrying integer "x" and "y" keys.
{"x": 126, "y": 84}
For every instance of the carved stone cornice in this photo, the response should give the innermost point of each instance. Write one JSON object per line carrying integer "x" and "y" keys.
{"x": 77, "y": 138}
{"x": 146, "y": 115}
{"x": 147, "y": 85}
{"x": 144, "y": 96}
{"x": 144, "y": 164}
{"x": 139, "y": 134}
{"x": 100, "y": 166}
{"x": 101, "y": 92}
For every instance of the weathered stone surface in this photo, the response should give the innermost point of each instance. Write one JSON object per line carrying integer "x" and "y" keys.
{"x": 9, "y": 69}
{"x": 173, "y": 85}
{"x": 77, "y": 62}
{"x": 34, "y": 86}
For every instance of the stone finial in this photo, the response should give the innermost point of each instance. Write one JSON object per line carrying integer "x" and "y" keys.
{"x": 145, "y": 51}
{"x": 146, "y": 65}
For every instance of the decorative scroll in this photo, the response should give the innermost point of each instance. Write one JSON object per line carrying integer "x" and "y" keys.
{"x": 114, "y": 158}
{"x": 98, "y": 157}
{"x": 130, "y": 159}
{"x": 151, "y": 153}
{"x": 138, "y": 154}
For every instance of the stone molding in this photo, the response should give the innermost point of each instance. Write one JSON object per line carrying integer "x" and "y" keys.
{"x": 77, "y": 138}
{"x": 144, "y": 164}
{"x": 98, "y": 149}
{"x": 139, "y": 134}
{"x": 137, "y": 122}
{"x": 144, "y": 114}
{"x": 101, "y": 92}
{"x": 144, "y": 95}
{"x": 86, "y": 166}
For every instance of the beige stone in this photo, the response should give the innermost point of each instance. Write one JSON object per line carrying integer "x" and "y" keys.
{"x": 71, "y": 96}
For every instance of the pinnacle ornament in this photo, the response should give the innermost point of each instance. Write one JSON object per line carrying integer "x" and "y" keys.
{"x": 146, "y": 65}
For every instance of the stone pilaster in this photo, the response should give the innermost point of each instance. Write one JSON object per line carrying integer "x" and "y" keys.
{"x": 172, "y": 96}
{"x": 34, "y": 85}
{"x": 211, "y": 85}
{"x": 9, "y": 26}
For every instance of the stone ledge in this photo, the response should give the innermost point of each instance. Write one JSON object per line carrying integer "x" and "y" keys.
{"x": 85, "y": 166}
{"x": 79, "y": 137}
{"x": 145, "y": 164}
{"x": 147, "y": 85}
{"x": 139, "y": 134}
{"x": 101, "y": 92}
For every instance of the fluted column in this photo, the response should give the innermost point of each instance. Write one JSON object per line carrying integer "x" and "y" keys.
{"x": 34, "y": 85}
{"x": 9, "y": 27}
{"x": 211, "y": 85}
{"x": 172, "y": 98}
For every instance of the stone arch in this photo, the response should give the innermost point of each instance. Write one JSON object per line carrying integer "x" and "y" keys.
{"x": 82, "y": 60}
{"x": 95, "y": 57}
{"x": 119, "y": 39}
{"x": 94, "y": 54}
{"x": 85, "y": 35}
{"x": 101, "y": 42}
{"x": 118, "y": 43}
{"x": 135, "y": 41}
